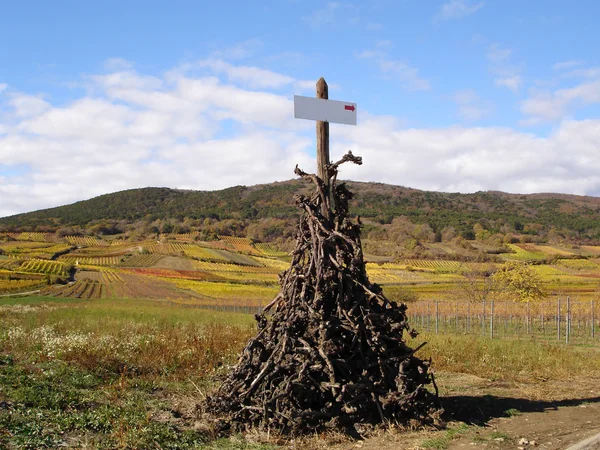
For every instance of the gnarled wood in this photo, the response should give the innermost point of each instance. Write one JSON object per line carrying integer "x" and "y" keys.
{"x": 332, "y": 352}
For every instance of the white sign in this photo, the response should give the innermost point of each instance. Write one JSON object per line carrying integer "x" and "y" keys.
{"x": 312, "y": 108}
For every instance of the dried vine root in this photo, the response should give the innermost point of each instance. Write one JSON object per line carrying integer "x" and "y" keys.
{"x": 331, "y": 353}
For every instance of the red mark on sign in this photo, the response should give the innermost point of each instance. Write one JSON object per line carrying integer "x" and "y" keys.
{"x": 349, "y": 107}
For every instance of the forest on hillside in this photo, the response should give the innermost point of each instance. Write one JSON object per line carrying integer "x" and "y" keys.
{"x": 408, "y": 218}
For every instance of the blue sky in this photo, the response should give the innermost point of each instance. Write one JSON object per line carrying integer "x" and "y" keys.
{"x": 455, "y": 95}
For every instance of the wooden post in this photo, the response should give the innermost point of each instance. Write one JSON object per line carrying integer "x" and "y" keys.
{"x": 492, "y": 319}
{"x": 568, "y": 320}
{"x": 483, "y": 317}
{"x": 456, "y": 315}
{"x": 593, "y": 321}
{"x": 428, "y": 315}
{"x": 558, "y": 318}
{"x": 323, "y": 142}
{"x": 468, "y": 317}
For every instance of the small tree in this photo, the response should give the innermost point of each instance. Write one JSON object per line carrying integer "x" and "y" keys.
{"x": 478, "y": 285}
{"x": 519, "y": 282}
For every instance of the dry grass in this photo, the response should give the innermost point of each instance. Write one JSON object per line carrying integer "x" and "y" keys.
{"x": 127, "y": 373}
{"x": 514, "y": 360}
{"x": 137, "y": 336}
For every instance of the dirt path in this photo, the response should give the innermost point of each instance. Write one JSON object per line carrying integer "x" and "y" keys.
{"x": 545, "y": 415}
{"x": 552, "y": 425}
{"x": 486, "y": 414}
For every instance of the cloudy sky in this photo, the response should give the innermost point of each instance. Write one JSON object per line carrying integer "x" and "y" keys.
{"x": 458, "y": 95}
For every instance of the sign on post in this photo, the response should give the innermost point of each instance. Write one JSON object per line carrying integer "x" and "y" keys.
{"x": 323, "y": 110}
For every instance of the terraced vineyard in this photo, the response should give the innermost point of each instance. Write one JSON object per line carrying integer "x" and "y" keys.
{"x": 38, "y": 237}
{"x": 182, "y": 236}
{"x": 177, "y": 248}
{"x": 16, "y": 286}
{"x": 34, "y": 249}
{"x": 91, "y": 260}
{"x": 9, "y": 264}
{"x": 269, "y": 250}
{"x": 241, "y": 245}
{"x": 140, "y": 261}
{"x": 78, "y": 289}
{"x": 45, "y": 267}
{"x": 84, "y": 241}
{"x": 235, "y": 273}
{"x": 579, "y": 264}
{"x": 525, "y": 252}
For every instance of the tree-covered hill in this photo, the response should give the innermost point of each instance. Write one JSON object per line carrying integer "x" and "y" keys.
{"x": 576, "y": 217}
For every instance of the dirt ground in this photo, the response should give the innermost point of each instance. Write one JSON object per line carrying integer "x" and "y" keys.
{"x": 488, "y": 414}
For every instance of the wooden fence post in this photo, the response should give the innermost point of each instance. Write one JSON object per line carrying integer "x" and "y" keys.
{"x": 456, "y": 315}
{"x": 568, "y": 318}
{"x": 428, "y": 315}
{"x": 558, "y": 318}
{"x": 437, "y": 316}
{"x": 593, "y": 320}
{"x": 323, "y": 143}
{"x": 483, "y": 318}
{"x": 468, "y": 317}
{"x": 492, "y": 319}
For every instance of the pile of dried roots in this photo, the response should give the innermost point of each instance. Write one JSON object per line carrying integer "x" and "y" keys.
{"x": 330, "y": 351}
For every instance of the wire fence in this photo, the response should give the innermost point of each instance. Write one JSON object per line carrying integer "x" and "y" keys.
{"x": 560, "y": 319}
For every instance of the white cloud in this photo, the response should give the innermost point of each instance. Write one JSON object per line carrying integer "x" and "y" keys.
{"x": 138, "y": 130}
{"x": 27, "y": 105}
{"x": 406, "y": 74}
{"x": 505, "y": 74}
{"x": 457, "y": 9}
{"x": 333, "y": 14}
{"x": 497, "y": 54}
{"x": 543, "y": 106}
{"x": 470, "y": 106}
{"x": 323, "y": 16}
{"x": 374, "y": 26}
{"x": 3, "y": 87}
{"x": 393, "y": 69}
{"x": 117, "y": 64}
{"x": 590, "y": 72}
{"x": 252, "y": 77}
{"x": 240, "y": 50}
{"x": 206, "y": 132}
{"x": 563, "y": 65}
{"x": 513, "y": 83}
{"x": 469, "y": 159}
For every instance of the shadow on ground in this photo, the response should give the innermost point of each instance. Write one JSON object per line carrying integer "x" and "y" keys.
{"x": 478, "y": 410}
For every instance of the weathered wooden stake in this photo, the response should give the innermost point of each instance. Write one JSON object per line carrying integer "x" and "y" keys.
{"x": 492, "y": 319}
{"x": 323, "y": 142}
{"x": 558, "y": 318}
{"x": 593, "y": 321}
{"x": 568, "y": 320}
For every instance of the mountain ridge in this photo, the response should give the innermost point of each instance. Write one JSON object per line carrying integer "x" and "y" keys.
{"x": 378, "y": 203}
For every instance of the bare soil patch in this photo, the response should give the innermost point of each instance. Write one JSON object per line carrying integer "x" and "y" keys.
{"x": 174, "y": 262}
{"x": 89, "y": 275}
{"x": 487, "y": 414}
